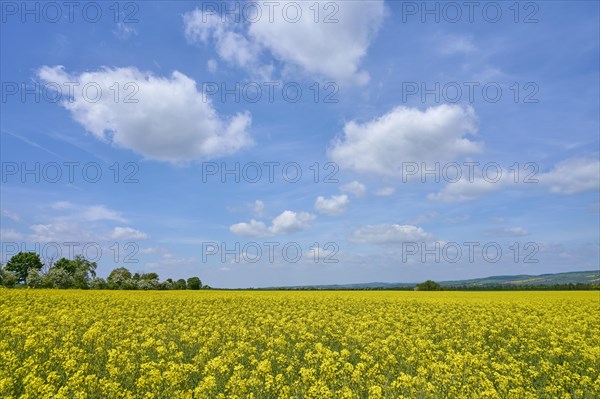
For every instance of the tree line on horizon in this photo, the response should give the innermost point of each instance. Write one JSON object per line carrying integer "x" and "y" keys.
{"x": 27, "y": 269}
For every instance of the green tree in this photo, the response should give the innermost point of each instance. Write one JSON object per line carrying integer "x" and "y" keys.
{"x": 22, "y": 263}
{"x": 80, "y": 269}
{"x": 149, "y": 276}
{"x": 120, "y": 278}
{"x": 98, "y": 283}
{"x": 180, "y": 284}
{"x": 146, "y": 284}
{"x": 65, "y": 264}
{"x": 194, "y": 283}
{"x": 429, "y": 285}
{"x": 58, "y": 278}
{"x": 148, "y": 281}
{"x": 35, "y": 279}
{"x": 81, "y": 280}
{"x": 10, "y": 279}
{"x": 85, "y": 266}
{"x": 7, "y": 278}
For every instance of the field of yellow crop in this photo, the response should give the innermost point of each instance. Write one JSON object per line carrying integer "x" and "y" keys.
{"x": 219, "y": 344}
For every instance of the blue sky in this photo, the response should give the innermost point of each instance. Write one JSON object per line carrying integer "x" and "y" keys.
{"x": 388, "y": 90}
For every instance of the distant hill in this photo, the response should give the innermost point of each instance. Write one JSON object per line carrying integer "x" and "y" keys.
{"x": 584, "y": 277}
{"x": 587, "y": 277}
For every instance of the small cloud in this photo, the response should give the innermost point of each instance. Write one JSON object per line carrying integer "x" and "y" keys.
{"x": 258, "y": 208}
{"x": 254, "y": 228}
{"x": 10, "y": 234}
{"x": 101, "y": 212}
{"x": 170, "y": 260}
{"x": 424, "y": 218}
{"x": 468, "y": 190}
{"x": 59, "y": 205}
{"x": 457, "y": 45}
{"x": 327, "y": 254}
{"x": 334, "y": 206}
{"x": 385, "y": 192}
{"x": 388, "y": 234}
{"x": 508, "y": 232}
{"x": 149, "y": 250}
{"x": 124, "y": 31}
{"x": 573, "y": 176}
{"x": 72, "y": 222}
{"x": 127, "y": 233}
{"x": 59, "y": 231}
{"x": 11, "y": 215}
{"x": 355, "y": 188}
{"x": 212, "y": 66}
{"x": 516, "y": 231}
{"x": 287, "y": 222}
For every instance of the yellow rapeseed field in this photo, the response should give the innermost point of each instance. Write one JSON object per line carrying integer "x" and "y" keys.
{"x": 226, "y": 344}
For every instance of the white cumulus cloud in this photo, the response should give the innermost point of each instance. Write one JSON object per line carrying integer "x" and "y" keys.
{"x": 127, "y": 233}
{"x": 349, "y": 28}
{"x": 285, "y": 223}
{"x": 258, "y": 208}
{"x": 161, "y": 118}
{"x": 10, "y": 234}
{"x": 355, "y": 188}
{"x": 381, "y": 145}
{"x": 508, "y": 232}
{"x": 100, "y": 212}
{"x": 468, "y": 189}
{"x": 334, "y": 206}
{"x": 11, "y": 215}
{"x": 573, "y": 175}
{"x": 253, "y": 228}
{"x": 385, "y": 192}
{"x": 59, "y": 231}
{"x": 516, "y": 231}
{"x": 388, "y": 234}
{"x": 289, "y": 222}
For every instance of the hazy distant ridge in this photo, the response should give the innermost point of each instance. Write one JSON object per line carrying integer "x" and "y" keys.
{"x": 584, "y": 277}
